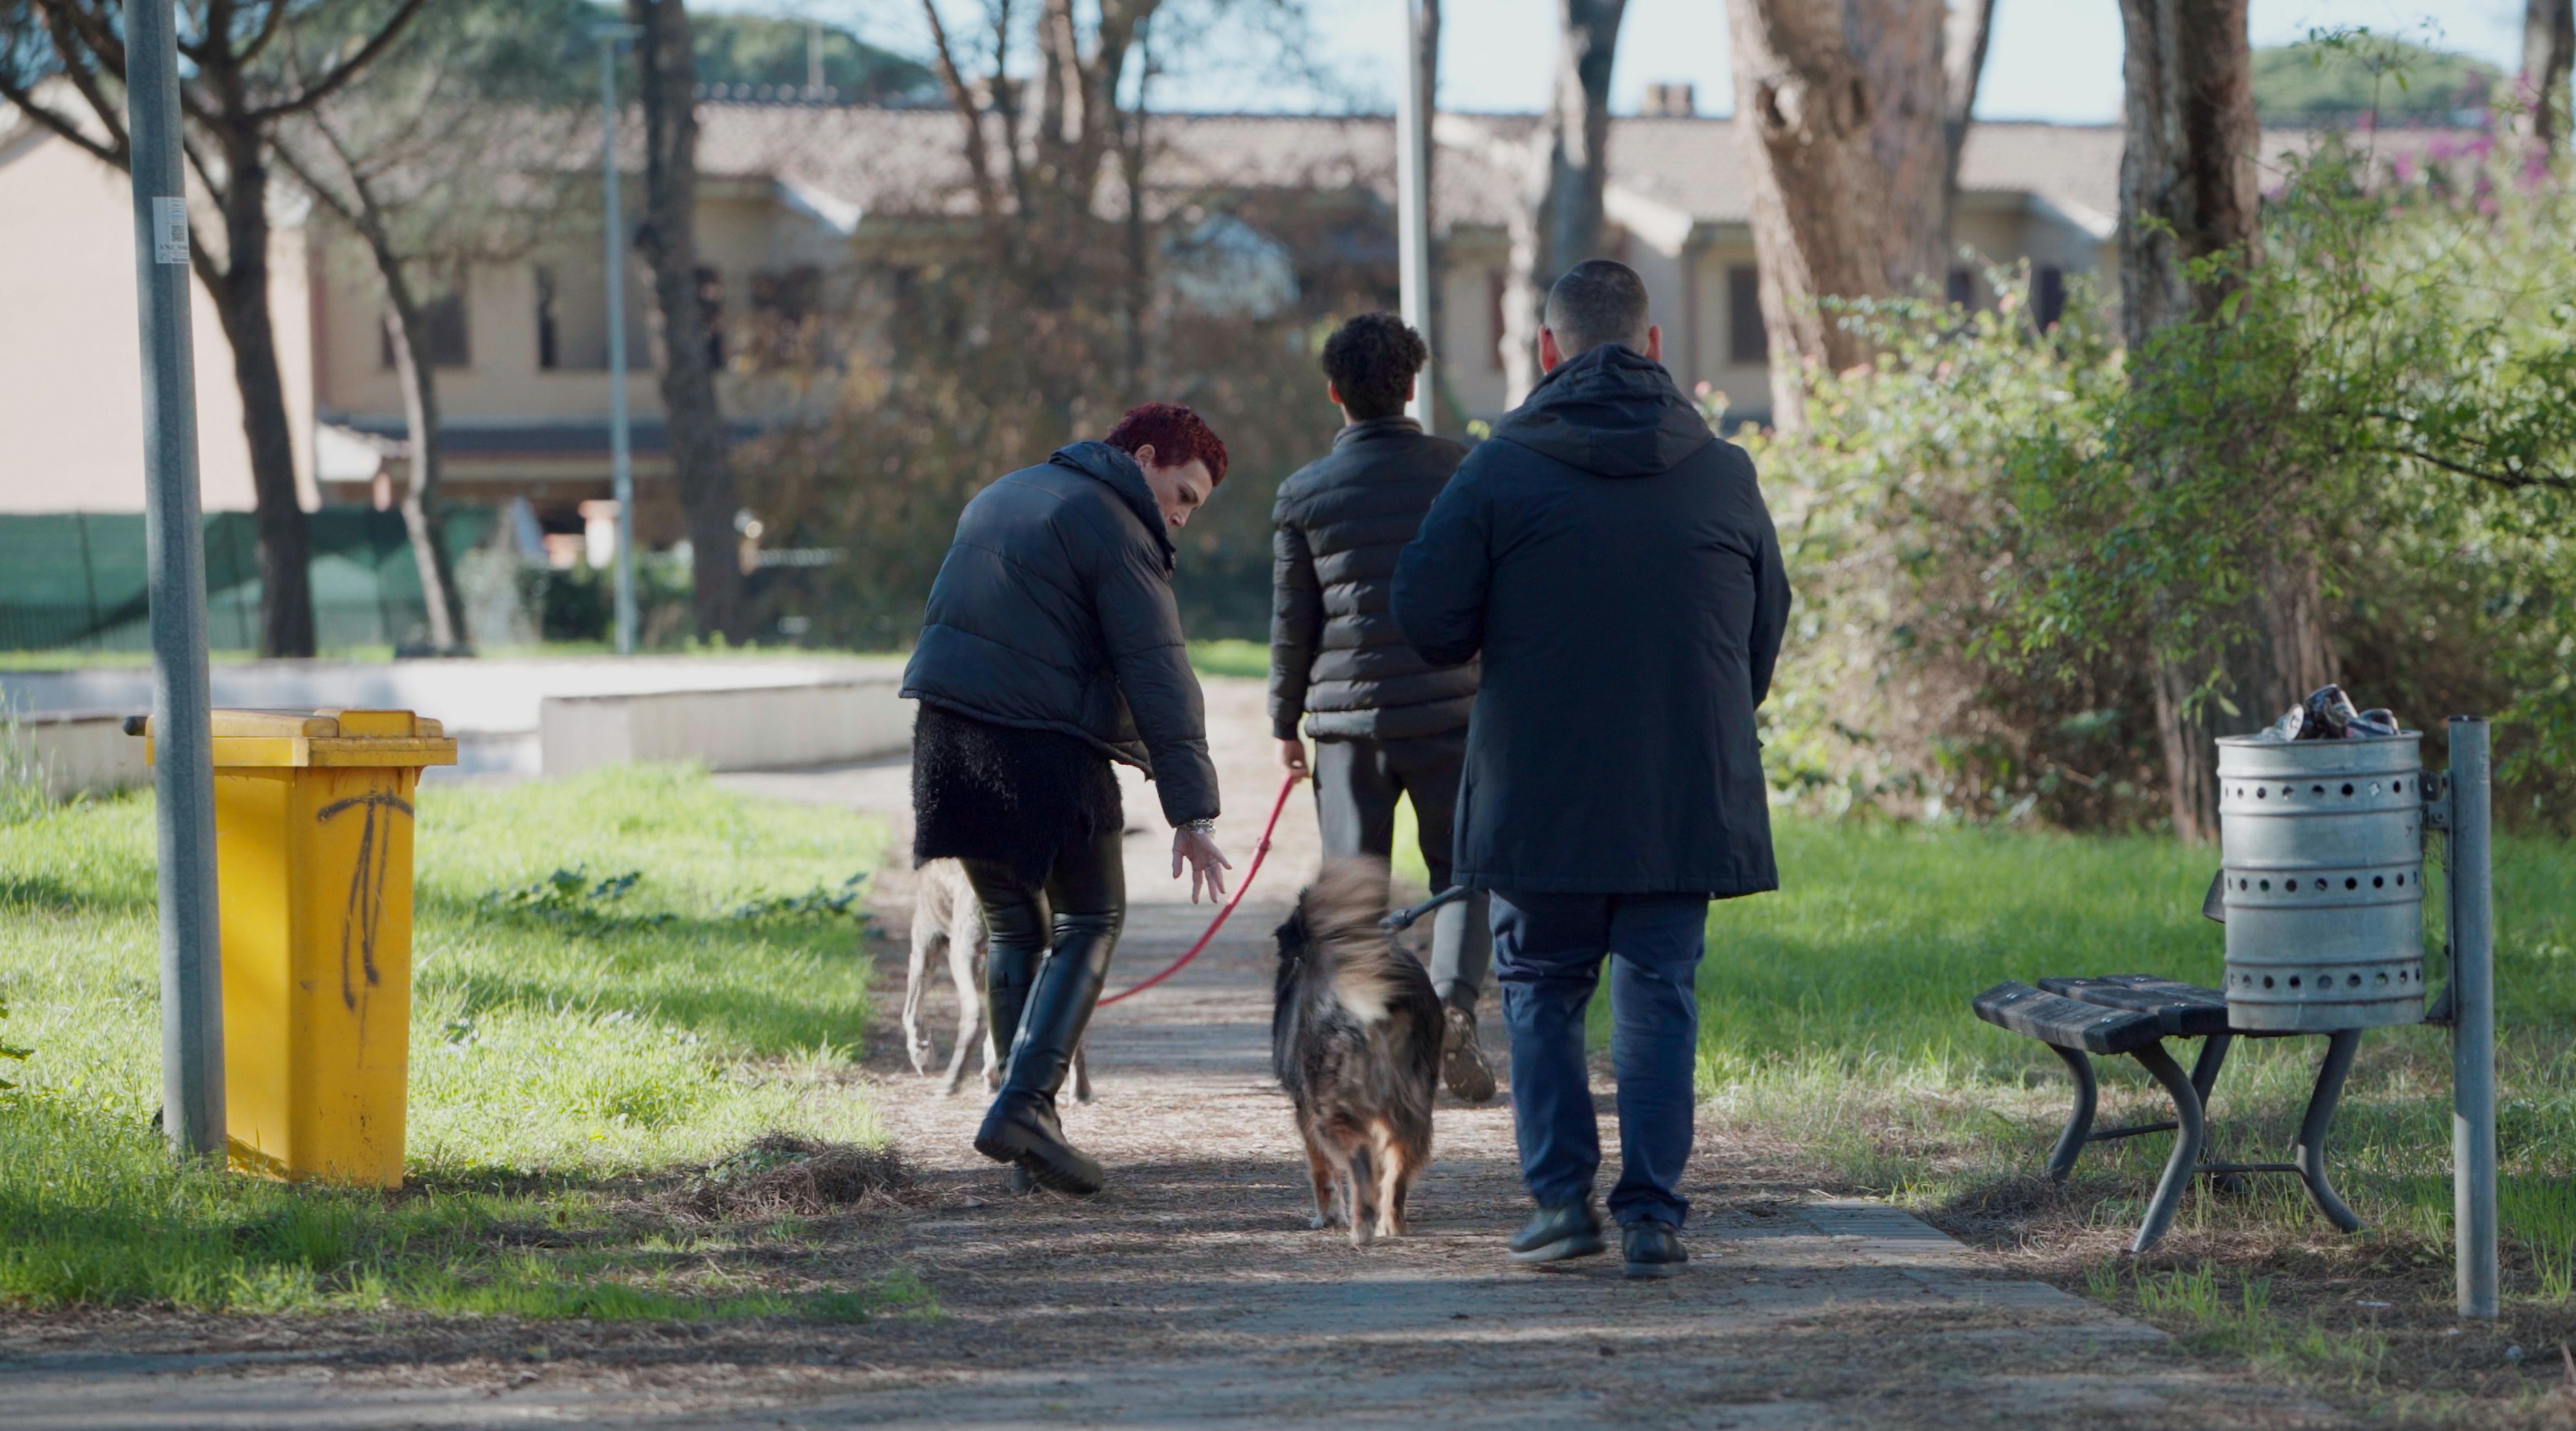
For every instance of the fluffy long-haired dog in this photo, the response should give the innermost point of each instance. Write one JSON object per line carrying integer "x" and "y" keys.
{"x": 944, "y": 911}
{"x": 1355, "y": 1039}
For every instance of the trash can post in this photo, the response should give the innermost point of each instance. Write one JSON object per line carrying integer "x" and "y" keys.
{"x": 2471, "y": 893}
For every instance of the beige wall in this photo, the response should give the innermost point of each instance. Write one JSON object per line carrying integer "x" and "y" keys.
{"x": 1687, "y": 284}
{"x": 503, "y": 380}
{"x": 742, "y": 230}
{"x": 71, "y": 370}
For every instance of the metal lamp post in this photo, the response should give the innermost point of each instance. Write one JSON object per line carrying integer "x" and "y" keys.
{"x": 1413, "y": 213}
{"x": 183, "y": 776}
{"x": 621, "y": 463}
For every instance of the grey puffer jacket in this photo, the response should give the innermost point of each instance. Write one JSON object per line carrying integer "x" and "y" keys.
{"x": 1054, "y": 611}
{"x": 1337, "y": 658}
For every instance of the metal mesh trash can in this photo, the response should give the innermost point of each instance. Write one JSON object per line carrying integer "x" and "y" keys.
{"x": 2324, "y": 884}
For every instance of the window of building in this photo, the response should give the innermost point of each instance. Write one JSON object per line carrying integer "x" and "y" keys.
{"x": 442, "y": 317}
{"x": 1962, "y": 288}
{"x": 2047, "y": 295}
{"x": 549, "y": 327}
{"x": 1746, "y": 340}
{"x": 787, "y": 317}
{"x": 711, "y": 311}
{"x": 572, "y": 317}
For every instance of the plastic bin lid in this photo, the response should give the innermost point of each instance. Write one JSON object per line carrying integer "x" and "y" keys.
{"x": 339, "y": 737}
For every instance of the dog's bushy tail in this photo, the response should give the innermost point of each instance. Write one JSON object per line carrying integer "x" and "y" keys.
{"x": 1342, "y": 908}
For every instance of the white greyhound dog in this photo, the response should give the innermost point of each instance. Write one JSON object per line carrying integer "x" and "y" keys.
{"x": 944, "y": 911}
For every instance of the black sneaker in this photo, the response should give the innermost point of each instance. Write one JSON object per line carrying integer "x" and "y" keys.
{"x": 1462, "y": 1058}
{"x": 1650, "y": 1249}
{"x": 1559, "y": 1233}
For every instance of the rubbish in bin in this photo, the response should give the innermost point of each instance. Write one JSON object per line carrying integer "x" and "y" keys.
{"x": 2328, "y": 714}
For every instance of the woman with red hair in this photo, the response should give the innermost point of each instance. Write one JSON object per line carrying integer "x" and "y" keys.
{"x": 1051, "y": 647}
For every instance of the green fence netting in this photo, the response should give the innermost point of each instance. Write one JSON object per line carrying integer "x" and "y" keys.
{"x": 77, "y": 579}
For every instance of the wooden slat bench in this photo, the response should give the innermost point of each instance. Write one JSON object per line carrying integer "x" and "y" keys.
{"x": 2134, "y": 1014}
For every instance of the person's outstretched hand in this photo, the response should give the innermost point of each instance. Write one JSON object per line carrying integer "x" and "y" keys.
{"x": 1207, "y": 864}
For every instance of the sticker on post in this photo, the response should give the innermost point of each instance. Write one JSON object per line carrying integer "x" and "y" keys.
{"x": 170, "y": 231}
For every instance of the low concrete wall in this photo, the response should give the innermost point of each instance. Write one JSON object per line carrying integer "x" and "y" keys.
{"x": 83, "y": 751}
{"x": 491, "y": 706}
{"x": 767, "y": 728}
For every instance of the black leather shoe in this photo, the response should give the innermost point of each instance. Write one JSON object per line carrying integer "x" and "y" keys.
{"x": 1650, "y": 1249}
{"x": 1021, "y": 1129}
{"x": 1559, "y": 1233}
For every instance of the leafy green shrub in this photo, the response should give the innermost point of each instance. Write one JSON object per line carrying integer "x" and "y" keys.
{"x": 2382, "y": 401}
{"x": 1996, "y": 537}
{"x": 1896, "y": 522}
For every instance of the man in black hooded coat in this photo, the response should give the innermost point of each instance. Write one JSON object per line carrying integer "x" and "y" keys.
{"x": 1612, "y": 563}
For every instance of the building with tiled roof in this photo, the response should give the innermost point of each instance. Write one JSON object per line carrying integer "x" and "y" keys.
{"x": 798, "y": 201}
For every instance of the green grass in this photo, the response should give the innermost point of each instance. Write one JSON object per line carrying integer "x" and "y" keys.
{"x": 575, "y": 1038}
{"x": 1231, "y": 658}
{"x": 1834, "y": 1017}
{"x": 1835, "y": 1014}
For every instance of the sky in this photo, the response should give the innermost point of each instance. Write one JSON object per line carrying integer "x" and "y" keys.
{"x": 2048, "y": 59}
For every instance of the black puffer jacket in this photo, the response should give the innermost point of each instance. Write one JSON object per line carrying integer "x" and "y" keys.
{"x": 1053, "y": 611}
{"x": 1337, "y": 658}
{"x": 1614, "y": 563}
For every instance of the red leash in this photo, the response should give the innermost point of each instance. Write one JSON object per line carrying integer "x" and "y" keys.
{"x": 1259, "y": 851}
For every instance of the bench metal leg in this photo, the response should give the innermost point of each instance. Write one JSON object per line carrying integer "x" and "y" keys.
{"x": 2204, "y": 1079}
{"x": 2204, "y": 1069}
{"x": 2340, "y": 1048}
{"x": 2079, "y": 1124}
{"x": 2184, "y": 1164}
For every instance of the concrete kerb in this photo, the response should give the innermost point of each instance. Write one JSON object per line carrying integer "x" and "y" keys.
{"x": 496, "y": 708}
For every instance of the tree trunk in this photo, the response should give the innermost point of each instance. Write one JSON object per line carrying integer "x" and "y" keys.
{"x": 699, "y": 457}
{"x": 421, "y": 504}
{"x": 285, "y": 538}
{"x": 1558, "y": 222}
{"x": 1851, "y": 125}
{"x": 2188, "y": 191}
{"x": 2548, "y": 50}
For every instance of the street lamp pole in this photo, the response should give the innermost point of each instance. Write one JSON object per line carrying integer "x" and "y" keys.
{"x": 621, "y": 462}
{"x": 1413, "y": 207}
{"x": 183, "y": 776}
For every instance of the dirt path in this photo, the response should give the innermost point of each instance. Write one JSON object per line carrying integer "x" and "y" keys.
{"x": 1191, "y": 1293}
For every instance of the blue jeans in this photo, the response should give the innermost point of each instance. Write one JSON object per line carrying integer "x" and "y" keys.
{"x": 1548, "y": 950}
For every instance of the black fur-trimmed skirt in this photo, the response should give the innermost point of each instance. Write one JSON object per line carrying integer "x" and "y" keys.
{"x": 993, "y": 792}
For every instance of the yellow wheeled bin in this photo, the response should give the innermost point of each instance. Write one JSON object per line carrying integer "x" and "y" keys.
{"x": 313, "y": 831}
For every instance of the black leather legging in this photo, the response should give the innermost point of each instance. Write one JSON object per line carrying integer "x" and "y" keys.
{"x": 1041, "y": 982}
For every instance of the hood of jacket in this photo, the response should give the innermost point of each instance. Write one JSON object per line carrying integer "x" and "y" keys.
{"x": 1117, "y": 471}
{"x": 1611, "y": 412}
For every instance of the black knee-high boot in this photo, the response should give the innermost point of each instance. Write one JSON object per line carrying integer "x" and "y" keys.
{"x": 1088, "y": 890}
{"x": 1015, "y": 916}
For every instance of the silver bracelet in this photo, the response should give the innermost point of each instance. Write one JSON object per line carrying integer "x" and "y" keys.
{"x": 1200, "y": 827}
